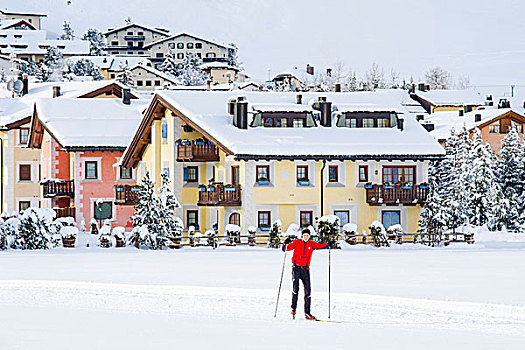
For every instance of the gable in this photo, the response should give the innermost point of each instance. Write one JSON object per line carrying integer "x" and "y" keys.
{"x": 509, "y": 115}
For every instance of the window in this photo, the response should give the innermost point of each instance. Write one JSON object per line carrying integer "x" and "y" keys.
{"x": 171, "y": 45}
{"x": 91, "y": 170}
{"x": 363, "y": 173}
{"x": 198, "y": 45}
{"x": 164, "y": 130}
{"x": 189, "y": 45}
{"x": 180, "y": 55}
{"x": 159, "y": 55}
{"x": 396, "y": 175}
{"x": 112, "y": 75}
{"x": 191, "y": 174}
{"x": 199, "y": 55}
{"x": 192, "y": 218}
{"x": 103, "y": 211}
{"x": 125, "y": 173}
{"x": 140, "y": 44}
{"x": 130, "y": 44}
{"x": 114, "y": 52}
{"x": 114, "y": 43}
{"x": 383, "y": 123}
{"x": 333, "y": 173}
{"x": 180, "y": 45}
{"x": 351, "y": 122}
{"x": 23, "y": 205}
{"x": 235, "y": 175}
{"x": 306, "y": 218}
{"x": 24, "y": 172}
{"x": 343, "y": 215}
{"x": 302, "y": 173}
{"x": 210, "y": 55}
{"x": 130, "y": 33}
{"x": 180, "y": 66}
{"x": 263, "y": 218}
{"x": 157, "y": 82}
{"x": 390, "y": 218}
{"x": 368, "y": 122}
{"x": 140, "y": 33}
{"x": 148, "y": 82}
{"x": 298, "y": 123}
{"x": 235, "y": 219}
{"x": 140, "y": 83}
{"x": 23, "y": 135}
{"x": 262, "y": 172}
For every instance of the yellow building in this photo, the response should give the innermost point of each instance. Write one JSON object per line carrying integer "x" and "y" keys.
{"x": 220, "y": 72}
{"x": 250, "y": 158}
{"x": 448, "y": 100}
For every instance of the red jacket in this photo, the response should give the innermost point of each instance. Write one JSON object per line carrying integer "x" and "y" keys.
{"x": 302, "y": 251}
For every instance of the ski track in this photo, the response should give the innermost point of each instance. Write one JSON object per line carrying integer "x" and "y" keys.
{"x": 259, "y": 305}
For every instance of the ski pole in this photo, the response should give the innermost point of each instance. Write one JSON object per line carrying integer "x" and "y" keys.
{"x": 329, "y": 268}
{"x": 280, "y": 284}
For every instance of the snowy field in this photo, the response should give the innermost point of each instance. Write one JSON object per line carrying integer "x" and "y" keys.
{"x": 408, "y": 297}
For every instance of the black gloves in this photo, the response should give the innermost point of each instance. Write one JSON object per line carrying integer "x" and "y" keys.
{"x": 330, "y": 244}
{"x": 288, "y": 240}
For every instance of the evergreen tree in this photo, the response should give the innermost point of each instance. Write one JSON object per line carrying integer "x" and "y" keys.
{"x": 52, "y": 65}
{"x": 483, "y": 200}
{"x": 68, "y": 34}
{"x": 126, "y": 76}
{"x": 191, "y": 74}
{"x": 169, "y": 65}
{"x": 168, "y": 204}
{"x": 435, "y": 216}
{"x": 86, "y": 68}
{"x": 97, "y": 42}
{"x": 510, "y": 172}
{"x": 233, "y": 58}
{"x": 34, "y": 231}
{"x": 31, "y": 69}
{"x": 328, "y": 229}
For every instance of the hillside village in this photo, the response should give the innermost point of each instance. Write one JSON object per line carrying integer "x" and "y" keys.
{"x": 94, "y": 128}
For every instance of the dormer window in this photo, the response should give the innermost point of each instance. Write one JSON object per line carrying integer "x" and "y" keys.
{"x": 367, "y": 120}
{"x": 283, "y": 120}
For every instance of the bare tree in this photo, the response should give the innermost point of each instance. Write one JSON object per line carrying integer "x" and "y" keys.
{"x": 394, "y": 79}
{"x": 374, "y": 78}
{"x": 463, "y": 82}
{"x": 438, "y": 78}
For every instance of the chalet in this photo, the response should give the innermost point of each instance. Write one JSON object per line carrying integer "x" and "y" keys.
{"x": 16, "y": 24}
{"x": 183, "y": 43}
{"x": 80, "y": 143}
{"x": 448, "y": 100}
{"x": 250, "y": 158}
{"x": 133, "y": 39}
{"x": 32, "y": 45}
{"x": 20, "y": 172}
{"x": 220, "y": 72}
{"x": 147, "y": 78}
{"x": 34, "y": 19}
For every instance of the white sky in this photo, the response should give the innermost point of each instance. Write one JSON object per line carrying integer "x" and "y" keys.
{"x": 484, "y": 39}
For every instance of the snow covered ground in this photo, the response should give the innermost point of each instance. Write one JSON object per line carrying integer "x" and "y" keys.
{"x": 408, "y": 297}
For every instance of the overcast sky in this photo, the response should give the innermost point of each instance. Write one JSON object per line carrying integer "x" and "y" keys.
{"x": 483, "y": 39}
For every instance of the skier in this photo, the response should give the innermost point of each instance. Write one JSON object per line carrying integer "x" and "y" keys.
{"x": 303, "y": 249}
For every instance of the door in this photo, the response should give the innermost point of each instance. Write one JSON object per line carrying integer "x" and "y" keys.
{"x": 235, "y": 175}
{"x": 390, "y": 217}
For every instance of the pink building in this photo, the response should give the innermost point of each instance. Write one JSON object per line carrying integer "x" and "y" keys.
{"x": 81, "y": 142}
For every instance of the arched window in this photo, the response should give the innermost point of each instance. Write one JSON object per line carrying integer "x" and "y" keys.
{"x": 235, "y": 219}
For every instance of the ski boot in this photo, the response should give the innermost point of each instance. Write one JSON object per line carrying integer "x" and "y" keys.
{"x": 310, "y": 317}
{"x": 293, "y": 314}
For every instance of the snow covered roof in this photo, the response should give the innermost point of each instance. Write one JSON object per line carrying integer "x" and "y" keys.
{"x": 94, "y": 122}
{"x": 283, "y": 107}
{"x": 213, "y": 87}
{"x": 157, "y": 73}
{"x": 130, "y": 61}
{"x": 35, "y": 42}
{"x": 218, "y": 65}
{"x": 69, "y": 89}
{"x": 158, "y": 31}
{"x": 103, "y": 62}
{"x": 208, "y": 113}
{"x": 13, "y": 110}
{"x": 446, "y": 120}
{"x": 191, "y": 36}
{"x": 9, "y": 23}
{"x": 6, "y": 12}
{"x": 451, "y": 97}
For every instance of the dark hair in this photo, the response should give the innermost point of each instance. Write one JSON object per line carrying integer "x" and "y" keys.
{"x": 305, "y": 230}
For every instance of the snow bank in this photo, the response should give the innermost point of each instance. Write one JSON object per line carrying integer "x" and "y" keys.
{"x": 233, "y": 228}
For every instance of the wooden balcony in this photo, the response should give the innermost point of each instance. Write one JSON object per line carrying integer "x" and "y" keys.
{"x": 65, "y": 212}
{"x": 197, "y": 152}
{"x": 59, "y": 188}
{"x": 127, "y": 194}
{"x": 395, "y": 195}
{"x": 219, "y": 195}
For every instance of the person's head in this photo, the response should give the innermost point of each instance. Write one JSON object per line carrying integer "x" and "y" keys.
{"x": 306, "y": 234}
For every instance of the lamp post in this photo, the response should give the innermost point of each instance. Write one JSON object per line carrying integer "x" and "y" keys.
{"x": 454, "y": 207}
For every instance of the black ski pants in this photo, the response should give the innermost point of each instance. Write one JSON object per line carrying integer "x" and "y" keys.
{"x": 301, "y": 273}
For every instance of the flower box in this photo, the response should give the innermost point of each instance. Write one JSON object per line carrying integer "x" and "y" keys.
{"x": 202, "y": 188}
{"x": 303, "y": 182}
{"x": 425, "y": 186}
{"x": 229, "y": 189}
{"x": 211, "y": 188}
{"x": 264, "y": 228}
{"x": 263, "y": 182}
{"x": 388, "y": 186}
{"x": 369, "y": 186}
{"x": 200, "y": 143}
{"x": 406, "y": 187}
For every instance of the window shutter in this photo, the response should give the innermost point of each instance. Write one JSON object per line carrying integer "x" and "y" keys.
{"x": 185, "y": 176}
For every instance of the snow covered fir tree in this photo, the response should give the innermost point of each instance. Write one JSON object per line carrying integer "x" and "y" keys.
{"x": 68, "y": 32}
{"x": 190, "y": 73}
{"x": 169, "y": 65}
{"x": 126, "y": 75}
{"x": 97, "y": 42}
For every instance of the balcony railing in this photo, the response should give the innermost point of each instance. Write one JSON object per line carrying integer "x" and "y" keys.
{"x": 127, "y": 195}
{"x": 65, "y": 212}
{"x": 219, "y": 195}
{"x": 197, "y": 152}
{"x": 65, "y": 188}
{"x": 135, "y": 37}
{"x": 396, "y": 194}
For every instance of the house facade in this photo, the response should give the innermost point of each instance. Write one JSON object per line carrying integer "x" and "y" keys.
{"x": 147, "y": 78}
{"x": 132, "y": 39}
{"x": 251, "y": 158}
{"x": 80, "y": 165}
{"x": 34, "y": 19}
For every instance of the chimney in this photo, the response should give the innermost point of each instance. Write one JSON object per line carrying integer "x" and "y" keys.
{"x": 429, "y": 127}
{"x": 420, "y": 117}
{"x": 326, "y": 111}
{"x": 299, "y": 99}
{"x": 240, "y": 113}
{"x": 421, "y": 86}
{"x": 231, "y": 106}
{"x": 337, "y": 87}
{"x": 400, "y": 124}
{"x": 126, "y": 96}
{"x": 208, "y": 84}
{"x": 427, "y": 87}
{"x": 25, "y": 88}
{"x": 523, "y": 103}
{"x": 461, "y": 113}
{"x": 56, "y": 91}
{"x": 310, "y": 69}
{"x": 477, "y": 118}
